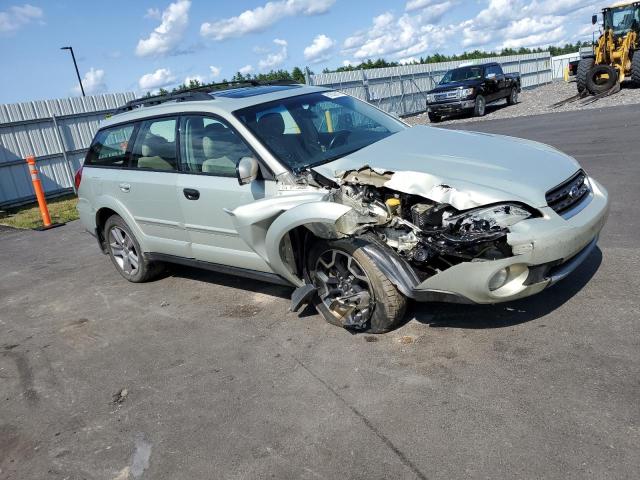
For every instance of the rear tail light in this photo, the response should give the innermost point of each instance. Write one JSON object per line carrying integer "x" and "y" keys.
{"x": 78, "y": 178}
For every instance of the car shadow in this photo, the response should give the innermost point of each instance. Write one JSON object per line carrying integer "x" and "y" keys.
{"x": 228, "y": 280}
{"x": 446, "y": 315}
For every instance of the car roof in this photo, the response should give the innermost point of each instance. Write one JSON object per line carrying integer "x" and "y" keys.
{"x": 222, "y": 101}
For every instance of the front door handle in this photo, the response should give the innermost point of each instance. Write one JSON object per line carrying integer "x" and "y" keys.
{"x": 125, "y": 187}
{"x": 191, "y": 193}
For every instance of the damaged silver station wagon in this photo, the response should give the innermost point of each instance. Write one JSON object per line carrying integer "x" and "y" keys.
{"x": 315, "y": 189}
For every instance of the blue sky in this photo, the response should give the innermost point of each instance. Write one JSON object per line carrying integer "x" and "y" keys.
{"x": 144, "y": 45}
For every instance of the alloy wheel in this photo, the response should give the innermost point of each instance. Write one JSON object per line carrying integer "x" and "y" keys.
{"x": 344, "y": 288}
{"x": 123, "y": 250}
{"x": 481, "y": 106}
{"x": 514, "y": 96}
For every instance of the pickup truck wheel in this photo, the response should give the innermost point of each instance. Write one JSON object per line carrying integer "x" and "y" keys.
{"x": 352, "y": 291}
{"x": 125, "y": 252}
{"x": 481, "y": 106}
{"x": 584, "y": 66}
{"x": 512, "y": 99}
{"x": 434, "y": 117}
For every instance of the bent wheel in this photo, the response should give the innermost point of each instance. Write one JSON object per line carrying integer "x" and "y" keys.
{"x": 352, "y": 292}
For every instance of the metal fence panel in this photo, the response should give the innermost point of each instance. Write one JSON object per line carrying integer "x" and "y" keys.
{"x": 50, "y": 130}
{"x": 401, "y": 90}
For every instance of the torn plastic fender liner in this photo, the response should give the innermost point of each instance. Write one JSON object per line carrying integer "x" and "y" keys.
{"x": 307, "y": 214}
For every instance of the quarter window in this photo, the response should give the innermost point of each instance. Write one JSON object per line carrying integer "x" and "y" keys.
{"x": 210, "y": 146}
{"x": 109, "y": 149}
{"x": 155, "y": 147}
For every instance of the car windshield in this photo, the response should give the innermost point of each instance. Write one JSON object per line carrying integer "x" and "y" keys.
{"x": 308, "y": 130}
{"x": 461, "y": 74}
{"x": 622, "y": 19}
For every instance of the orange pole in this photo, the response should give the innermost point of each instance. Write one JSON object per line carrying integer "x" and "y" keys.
{"x": 37, "y": 186}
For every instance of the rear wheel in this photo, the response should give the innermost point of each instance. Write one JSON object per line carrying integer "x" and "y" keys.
{"x": 434, "y": 117}
{"x": 584, "y": 66}
{"x": 635, "y": 68}
{"x": 481, "y": 106}
{"x": 352, "y": 291}
{"x": 512, "y": 99}
{"x": 601, "y": 78}
{"x": 125, "y": 252}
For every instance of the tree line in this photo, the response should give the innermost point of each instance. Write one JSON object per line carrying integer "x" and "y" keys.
{"x": 297, "y": 75}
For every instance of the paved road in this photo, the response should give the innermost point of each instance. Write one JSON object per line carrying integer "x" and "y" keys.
{"x": 222, "y": 382}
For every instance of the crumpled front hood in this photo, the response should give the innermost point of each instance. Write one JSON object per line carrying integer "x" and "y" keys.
{"x": 465, "y": 169}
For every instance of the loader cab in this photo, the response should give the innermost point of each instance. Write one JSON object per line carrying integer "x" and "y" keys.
{"x": 622, "y": 19}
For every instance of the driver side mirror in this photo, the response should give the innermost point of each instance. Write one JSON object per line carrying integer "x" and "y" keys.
{"x": 594, "y": 19}
{"x": 247, "y": 170}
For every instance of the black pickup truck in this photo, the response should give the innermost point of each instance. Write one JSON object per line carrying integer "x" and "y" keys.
{"x": 470, "y": 89}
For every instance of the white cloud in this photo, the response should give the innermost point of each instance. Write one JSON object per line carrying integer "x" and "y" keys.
{"x": 526, "y": 23}
{"x": 153, "y": 13}
{"x": 417, "y": 5}
{"x": 93, "y": 82}
{"x": 319, "y": 50}
{"x": 403, "y": 36}
{"x": 246, "y": 69}
{"x": 347, "y": 63}
{"x": 260, "y": 18}
{"x": 18, "y": 16}
{"x": 275, "y": 59}
{"x": 214, "y": 71}
{"x": 165, "y": 37}
{"x": 158, "y": 79}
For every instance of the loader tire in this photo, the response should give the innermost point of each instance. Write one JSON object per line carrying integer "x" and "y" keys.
{"x": 584, "y": 66}
{"x": 635, "y": 68}
{"x": 596, "y": 84}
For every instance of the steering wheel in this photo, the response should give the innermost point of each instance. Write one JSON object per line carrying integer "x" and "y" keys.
{"x": 342, "y": 135}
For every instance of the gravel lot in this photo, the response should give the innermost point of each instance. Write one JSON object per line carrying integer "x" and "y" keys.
{"x": 537, "y": 101}
{"x": 204, "y": 376}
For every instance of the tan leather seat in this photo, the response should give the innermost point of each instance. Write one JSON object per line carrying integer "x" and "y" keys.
{"x": 155, "y": 151}
{"x": 218, "y": 148}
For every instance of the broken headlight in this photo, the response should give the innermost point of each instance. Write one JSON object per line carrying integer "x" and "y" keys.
{"x": 495, "y": 217}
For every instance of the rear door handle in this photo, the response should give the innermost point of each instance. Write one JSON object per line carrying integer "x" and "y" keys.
{"x": 125, "y": 187}
{"x": 191, "y": 193}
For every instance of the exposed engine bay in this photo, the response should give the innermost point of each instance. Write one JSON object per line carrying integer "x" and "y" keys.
{"x": 431, "y": 236}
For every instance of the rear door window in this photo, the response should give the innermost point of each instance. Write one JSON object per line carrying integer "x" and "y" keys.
{"x": 109, "y": 148}
{"x": 155, "y": 147}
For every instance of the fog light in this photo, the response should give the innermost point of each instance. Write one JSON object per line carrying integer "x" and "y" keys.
{"x": 499, "y": 279}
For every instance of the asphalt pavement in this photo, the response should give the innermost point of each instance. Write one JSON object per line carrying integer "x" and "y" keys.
{"x": 202, "y": 375}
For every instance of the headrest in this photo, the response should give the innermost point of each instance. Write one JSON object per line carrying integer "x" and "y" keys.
{"x": 215, "y": 138}
{"x": 156, "y": 146}
{"x": 271, "y": 124}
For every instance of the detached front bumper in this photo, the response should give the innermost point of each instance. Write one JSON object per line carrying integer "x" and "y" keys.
{"x": 451, "y": 107}
{"x": 546, "y": 250}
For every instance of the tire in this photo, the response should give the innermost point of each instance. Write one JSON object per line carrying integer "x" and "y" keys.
{"x": 123, "y": 247}
{"x": 584, "y": 66}
{"x": 635, "y": 68}
{"x": 512, "y": 99}
{"x": 481, "y": 107}
{"x": 385, "y": 306}
{"x": 434, "y": 117}
{"x": 596, "y": 84}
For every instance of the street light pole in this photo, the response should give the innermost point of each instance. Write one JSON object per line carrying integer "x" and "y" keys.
{"x": 75, "y": 65}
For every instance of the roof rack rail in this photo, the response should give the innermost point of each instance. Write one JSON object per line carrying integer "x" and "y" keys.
{"x": 203, "y": 92}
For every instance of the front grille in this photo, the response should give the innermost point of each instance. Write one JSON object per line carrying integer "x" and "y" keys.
{"x": 446, "y": 96}
{"x": 569, "y": 194}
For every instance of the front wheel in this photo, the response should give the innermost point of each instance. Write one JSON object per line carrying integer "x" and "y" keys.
{"x": 635, "y": 68}
{"x": 434, "y": 117}
{"x": 352, "y": 291}
{"x": 125, "y": 252}
{"x": 481, "y": 106}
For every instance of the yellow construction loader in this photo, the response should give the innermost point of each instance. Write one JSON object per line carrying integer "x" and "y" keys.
{"x": 616, "y": 55}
